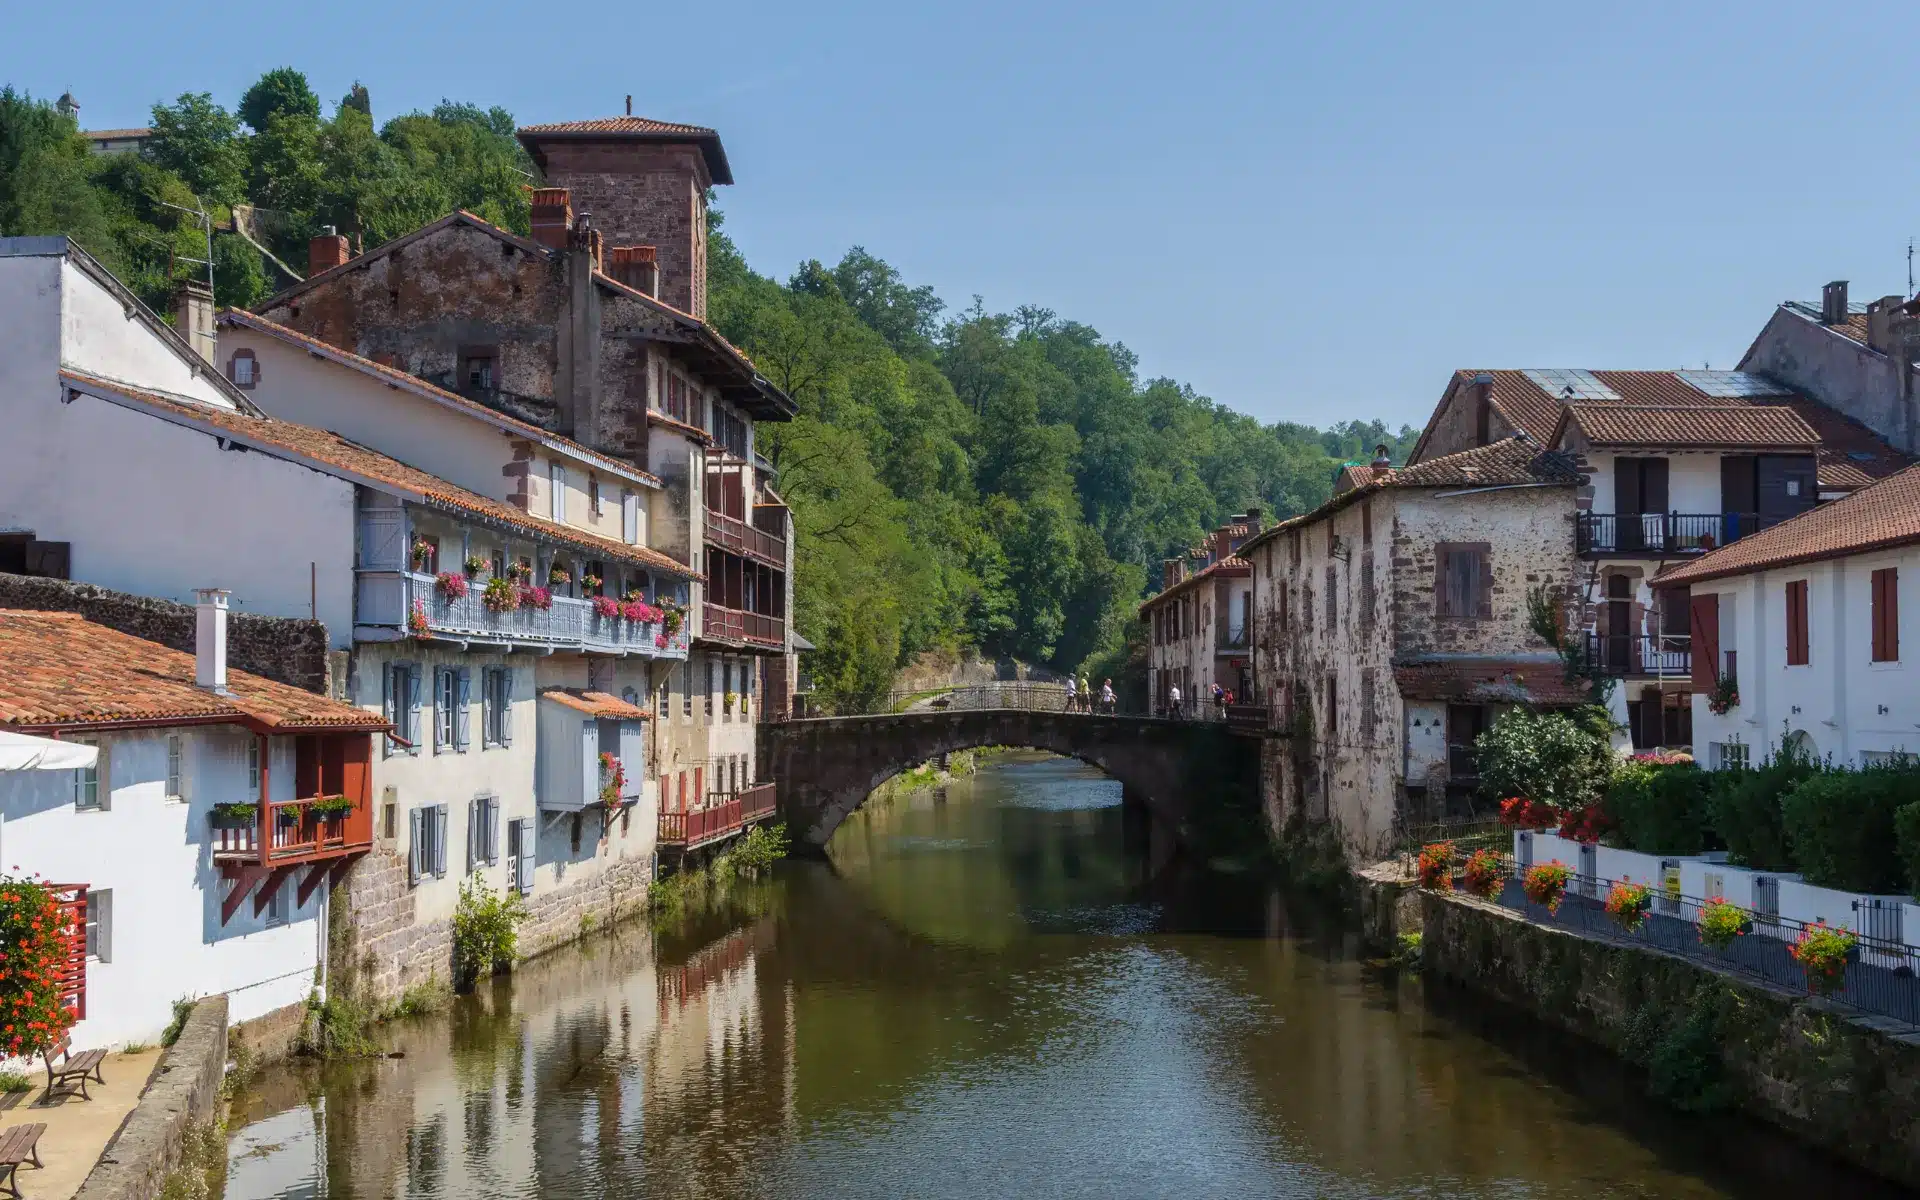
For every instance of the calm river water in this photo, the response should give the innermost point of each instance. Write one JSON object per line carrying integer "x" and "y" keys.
{"x": 983, "y": 996}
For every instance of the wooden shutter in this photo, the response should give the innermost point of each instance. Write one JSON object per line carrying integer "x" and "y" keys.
{"x": 1653, "y": 485}
{"x": 493, "y": 829}
{"x": 413, "y": 705}
{"x": 386, "y": 708}
{"x": 506, "y": 706}
{"x": 1705, "y": 637}
{"x": 71, "y": 898}
{"x": 526, "y": 858}
{"x": 439, "y": 840}
{"x": 416, "y": 863}
{"x": 1797, "y": 640}
{"x": 1886, "y": 615}
{"x": 473, "y": 833}
{"x": 462, "y": 703}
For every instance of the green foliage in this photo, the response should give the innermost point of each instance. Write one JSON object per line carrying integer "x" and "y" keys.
{"x": 1906, "y": 831}
{"x": 1556, "y": 759}
{"x": 1746, "y": 810}
{"x": 1406, "y": 951}
{"x": 282, "y": 91}
{"x": 199, "y": 141}
{"x": 1686, "y": 1069}
{"x": 182, "y": 1009}
{"x": 763, "y": 846}
{"x": 1841, "y": 826}
{"x": 1662, "y": 808}
{"x": 486, "y": 930}
{"x": 15, "y": 1082}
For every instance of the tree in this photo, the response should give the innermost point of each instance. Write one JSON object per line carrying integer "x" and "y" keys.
{"x": 282, "y": 91}
{"x": 199, "y": 141}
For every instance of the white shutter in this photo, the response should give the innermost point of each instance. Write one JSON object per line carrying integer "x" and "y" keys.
{"x": 462, "y": 704}
{"x": 557, "y": 482}
{"x": 526, "y": 857}
{"x": 493, "y": 829}
{"x": 630, "y": 518}
{"x": 416, "y": 864}
{"x": 386, "y": 708}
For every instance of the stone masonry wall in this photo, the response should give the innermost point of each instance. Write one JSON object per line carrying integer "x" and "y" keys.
{"x": 285, "y": 649}
{"x": 1848, "y": 1083}
{"x": 184, "y": 1091}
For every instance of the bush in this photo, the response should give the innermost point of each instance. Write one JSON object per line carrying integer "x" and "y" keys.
{"x": 1556, "y": 759}
{"x": 486, "y": 930}
{"x": 1662, "y": 808}
{"x": 35, "y": 934}
{"x": 1840, "y": 826}
{"x": 1906, "y": 831}
{"x": 1746, "y": 810}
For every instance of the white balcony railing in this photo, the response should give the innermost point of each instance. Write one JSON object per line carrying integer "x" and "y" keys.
{"x": 387, "y": 599}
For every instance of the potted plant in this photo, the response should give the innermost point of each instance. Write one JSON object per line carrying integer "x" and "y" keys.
{"x": 452, "y": 585}
{"x": 520, "y": 572}
{"x": 1547, "y": 884}
{"x": 727, "y": 701}
{"x": 500, "y": 595}
{"x": 558, "y": 575}
{"x": 1486, "y": 874}
{"x": 417, "y": 625}
{"x": 288, "y": 814}
{"x": 1720, "y": 923}
{"x": 422, "y": 553}
{"x": 536, "y": 597}
{"x": 1435, "y": 868}
{"x": 331, "y": 808}
{"x": 591, "y": 582}
{"x": 671, "y": 615}
{"x": 237, "y": 815}
{"x": 1628, "y": 903}
{"x": 475, "y": 564}
{"x": 1724, "y": 697}
{"x": 613, "y": 779}
{"x": 1823, "y": 952}
{"x": 606, "y": 606}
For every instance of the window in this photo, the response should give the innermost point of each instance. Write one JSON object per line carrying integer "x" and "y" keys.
{"x": 1886, "y": 758}
{"x": 557, "y": 488}
{"x": 686, "y": 688}
{"x": 100, "y": 926}
{"x": 1333, "y": 707}
{"x": 496, "y": 702}
{"x": 176, "y": 763}
{"x": 1463, "y": 584}
{"x": 88, "y": 789}
{"x": 389, "y": 813}
{"x": 280, "y": 904}
{"x": 243, "y": 369}
{"x": 253, "y": 768}
{"x": 1333, "y": 601}
{"x": 593, "y": 495}
{"x": 1727, "y": 756}
{"x": 445, "y": 701}
{"x": 427, "y": 843}
{"x": 483, "y": 831}
{"x": 709, "y": 687}
{"x": 1886, "y": 615}
{"x": 599, "y": 571}
{"x": 1281, "y": 599}
{"x": 1797, "y": 641}
{"x": 498, "y": 570}
{"x": 520, "y": 856}
{"x": 426, "y": 554}
{"x": 479, "y": 368}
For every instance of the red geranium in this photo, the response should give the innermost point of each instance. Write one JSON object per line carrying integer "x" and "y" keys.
{"x": 1585, "y": 824}
{"x": 1519, "y": 812}
{"x": 1436, "y": 867}
{"x": 36, "y": 937}
{"x": 1486, "y": 873}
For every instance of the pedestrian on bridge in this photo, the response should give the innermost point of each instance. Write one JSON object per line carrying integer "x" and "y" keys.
{"x": 1173, "y": 702}
{"x": 1086, "y": 694}
{"x": 1073, "y": 694}
{"x": 1106, "y": 696}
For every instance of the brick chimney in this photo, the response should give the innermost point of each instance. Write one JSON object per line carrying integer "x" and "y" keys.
{"x": 1833, "y": 303}
{"x": 1172, "y": 571}
{"x": 327, "y": 251}
{"x": 552, "y": 217}
{"x": 193, "y": 317}
{"x": 638, "y": 267}
{"x": 210, "y": 639}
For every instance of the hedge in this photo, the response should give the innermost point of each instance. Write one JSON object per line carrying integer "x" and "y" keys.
{"x": 1662, "y": 808}
{"x": 1841, "y": 825}
{"x": 1746, "y": 811}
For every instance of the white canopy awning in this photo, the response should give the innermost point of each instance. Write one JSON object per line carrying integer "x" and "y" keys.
{"x": 21, "y": 752}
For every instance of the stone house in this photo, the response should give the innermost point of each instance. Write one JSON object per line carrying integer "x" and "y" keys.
{"x": 1675, "y": 463}
{"x": 1857, "y": 359}
{"x": 1391, "y": 626}
{"x": 1200, "y": 623}
{"x": 593, "y": 330}
{"x": 1808, "y": 626}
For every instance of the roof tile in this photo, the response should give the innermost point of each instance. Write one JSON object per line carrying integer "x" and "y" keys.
{"x": 1488, "y": 680}
{"x": 1761, "y": 426}
{"x": 1885, "y": 514}
{"x": 597, "y": 704}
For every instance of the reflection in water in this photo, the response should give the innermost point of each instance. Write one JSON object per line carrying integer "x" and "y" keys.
{"x": 984, "y": 995}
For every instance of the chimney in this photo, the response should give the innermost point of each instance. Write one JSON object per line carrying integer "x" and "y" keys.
{"x": 1483, "y": 408}
{"x": 638, "y": 267}
{"x": 1172, "y": 571}
{"x": 1381, "y": 459}
{"x": 1833, "y": 303}
{"x": 210, "y": 639}
{"x": 1880, "y": 317}
{"x": 327, "y": 251}
{"x": 552, "y": 217}
{"x": 193, "y": 317}
{"x": 1253, "y": 518}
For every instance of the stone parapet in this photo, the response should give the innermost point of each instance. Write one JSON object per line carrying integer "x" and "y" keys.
{"x": 184, "y": 1091}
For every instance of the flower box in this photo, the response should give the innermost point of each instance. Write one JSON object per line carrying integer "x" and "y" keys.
{"x": 233, "y": 816}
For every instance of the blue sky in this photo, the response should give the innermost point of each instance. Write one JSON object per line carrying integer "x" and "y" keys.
{"x": 1309, "y": 212}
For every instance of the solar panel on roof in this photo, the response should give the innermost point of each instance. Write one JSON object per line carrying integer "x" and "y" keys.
{"x": 1571, "y": 385}
{"x": 1732, "y": 385}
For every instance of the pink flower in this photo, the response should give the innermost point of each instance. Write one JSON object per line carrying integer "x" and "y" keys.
{"x": 660, "y": 640}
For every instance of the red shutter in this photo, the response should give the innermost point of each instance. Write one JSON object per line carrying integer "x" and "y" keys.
{"x": 1705, "y": 624}
{"x": 72, "y": 898}
{"x": 1797, "y": 647}
{"x": 1886, "y": 615}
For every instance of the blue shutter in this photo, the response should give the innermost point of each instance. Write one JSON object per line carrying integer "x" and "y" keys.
{"x": 439, "y": 841}
{"x": 493, "y": 829}
{"x": 473, "y": 833}
{"x": 413, "y": 705}
{"x": 415, "y": 863}
{"x": 386, "y": 708}
{"x": 506, "y": 706}
{"x": 526, "y": 857}
{"x": 462, "y": 702}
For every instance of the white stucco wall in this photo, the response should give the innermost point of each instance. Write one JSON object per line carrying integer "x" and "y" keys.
{"x": 155, "y": 856}
{"x": 1837, "y": 698}
{"x": 99, "y": 337}
{"x": 159, "y": 510}
{"x": 634, "y": 838}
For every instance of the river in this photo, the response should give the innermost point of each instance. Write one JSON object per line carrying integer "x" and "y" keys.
{"x": 983, "y": 995}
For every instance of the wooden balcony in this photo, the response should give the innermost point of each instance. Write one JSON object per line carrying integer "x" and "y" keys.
{"x": 724, "y": 816}
{"x": 734, "y": 625}
{"x": 256, "y": 856}
{"x": 732, "y": 533}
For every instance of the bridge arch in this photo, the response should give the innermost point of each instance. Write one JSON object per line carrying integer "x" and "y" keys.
{"x": 828, "y": 766}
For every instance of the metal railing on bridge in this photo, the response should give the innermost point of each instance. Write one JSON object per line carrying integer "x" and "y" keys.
{"x": 1025, "y": 695}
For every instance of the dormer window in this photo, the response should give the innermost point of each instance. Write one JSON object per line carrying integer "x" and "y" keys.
{"x": 243, "y": 369}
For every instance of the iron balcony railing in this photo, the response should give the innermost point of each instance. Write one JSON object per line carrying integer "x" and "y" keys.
{"x": 731, "y": 533}
{"x": 1661, "y": 533}
{"x": 1232, "y": 640}
{"x": 389, "y": 599}
{"x": 1625, "y": 654}
{"x": 736, "y": 625}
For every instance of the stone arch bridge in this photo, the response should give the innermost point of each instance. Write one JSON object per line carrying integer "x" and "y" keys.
{"x": 1197, "y": 779}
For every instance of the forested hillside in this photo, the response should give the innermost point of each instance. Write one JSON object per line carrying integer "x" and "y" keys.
{"x": 970, "y": 477}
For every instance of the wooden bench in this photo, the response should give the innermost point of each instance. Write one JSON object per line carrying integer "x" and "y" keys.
{"x": 18, "y": 1145}
{"x": 73, "y": 1066}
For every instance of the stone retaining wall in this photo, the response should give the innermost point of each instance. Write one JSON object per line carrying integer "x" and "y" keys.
{"x": 1848, "y": 1083}
{"x": 184, "y": 1091}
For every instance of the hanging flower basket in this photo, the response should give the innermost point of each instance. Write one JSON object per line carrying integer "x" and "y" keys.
{"x": 1721, "y": 923}
{"x": 558, "y": 576}
{"x": 1436, "y": 867}
{"x": 418, "y": 627}
{"x": 671, "y": 615}
{"x": 536, "y": 597}
{"x": 591, "y": 582}
{"x": 1547, "y": 884}
{"x": 613, "y": 780}
{"x": 422, "y": 553}
{"x": 660, "y": 641}
{"x": 1725, "y": 696}
{"x": 500, "y": 595}
{"x": 1486, "y": 874}
{"x": 1823, "y": 952}
{"x": 331, "y": 808}
{"x": 452, "y": 585}
{"x": 474, "y": 564}
{"x": 606, "y": 607}
{"x": 1629, "y": 903}
{"x": 520, "y": 572}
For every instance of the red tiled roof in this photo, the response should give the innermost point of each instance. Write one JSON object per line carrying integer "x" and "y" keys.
{"x": 1352, "y": 476}
{"x": 1760, "y": 426}
{"x": 413, "y": 383}
{"x": 1230, "y": 567}
{"x": 643, "y": 129}
{"x": 1885, "y": 514}
{"x": 329, "y": 450}
{"x": 65, "y": 671}
{"x": 1488, "y": 680}
{"x": 635, "y": 126}
{"x": 597, "y": 704}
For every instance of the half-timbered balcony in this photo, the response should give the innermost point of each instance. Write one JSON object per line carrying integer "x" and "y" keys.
{"x": 320, "y": 828}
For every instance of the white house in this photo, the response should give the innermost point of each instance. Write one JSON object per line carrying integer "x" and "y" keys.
{"x": 1812, "y": 623}
{"x": 195, "y": 839}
